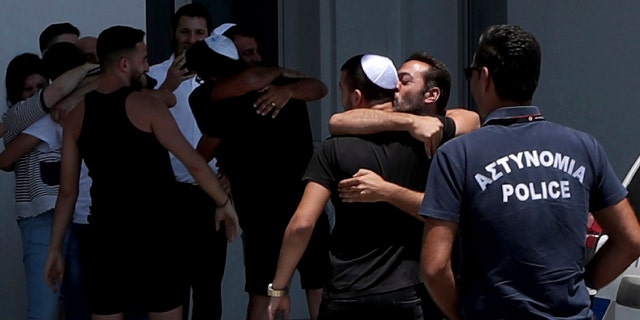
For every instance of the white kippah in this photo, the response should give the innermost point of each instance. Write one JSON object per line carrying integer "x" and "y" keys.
{"x": 380, "y": 70}
{"x": 223, "y": 28}
{"x": 222, "y": 45}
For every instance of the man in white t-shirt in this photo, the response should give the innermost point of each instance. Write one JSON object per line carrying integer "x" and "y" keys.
{"x": 206, "y": 247}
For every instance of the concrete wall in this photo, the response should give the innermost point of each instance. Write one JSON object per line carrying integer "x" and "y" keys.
{"x": 589, "y": 61}
{"x": 321, "y": 35}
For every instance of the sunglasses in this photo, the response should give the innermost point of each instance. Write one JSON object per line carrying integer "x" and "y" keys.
{"x": 469, "y": 70}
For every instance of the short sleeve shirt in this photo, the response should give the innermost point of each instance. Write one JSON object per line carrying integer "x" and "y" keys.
{"x": 374, "y": 247}
{"x": 521, "y": 191}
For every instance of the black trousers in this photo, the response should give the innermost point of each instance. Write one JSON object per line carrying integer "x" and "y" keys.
{"x": 411, "y": 303}
{"x": 206, "y": 254}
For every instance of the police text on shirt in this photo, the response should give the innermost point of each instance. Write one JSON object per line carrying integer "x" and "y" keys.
{"x": 531, "y": 190}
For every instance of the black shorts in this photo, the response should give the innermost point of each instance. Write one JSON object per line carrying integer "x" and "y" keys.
{"x": 261, "y": 248}
{"x": 137, "y": 269}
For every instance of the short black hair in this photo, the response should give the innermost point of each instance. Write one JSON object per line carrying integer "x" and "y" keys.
{"x": 53, "y": 30}
{"x": 19, "y": 68}
{"x": 357, "y": 79}
{"x": 60, "y": 58}
{"x": 437, "y": 76}
{"x": 240, "y": 30}
{"x": 192, "y": 10}
{"x": 116, "y": 40}
{"x": 513, "y": 57}
{"x": 210, "y": 64}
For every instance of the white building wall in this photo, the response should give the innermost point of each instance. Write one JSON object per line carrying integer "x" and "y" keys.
{"x": 589, "y": 79}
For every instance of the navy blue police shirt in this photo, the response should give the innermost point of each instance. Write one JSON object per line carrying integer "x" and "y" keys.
{"x": 521, "y": 190}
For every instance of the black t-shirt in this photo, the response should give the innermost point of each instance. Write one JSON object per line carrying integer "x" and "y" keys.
{"x": 263, "y": 157}
{"x": 375, "y": 247}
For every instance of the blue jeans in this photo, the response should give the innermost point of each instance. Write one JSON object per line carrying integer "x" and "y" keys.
{"x": 403, "y": 304}
{"x": 36, "y": 231}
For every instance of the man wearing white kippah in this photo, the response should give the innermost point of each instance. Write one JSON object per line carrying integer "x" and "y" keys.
{"x": 424, "y": 87}
{"x": 374, "y": 247}
{"x": 419, "y": 104}
{"x": 262, "y": 140}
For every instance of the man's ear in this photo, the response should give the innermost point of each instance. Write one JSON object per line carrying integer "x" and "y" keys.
{"x": 432, "y": 95}
{"x": 486, "y": 80}
{"x": 355, "y": 97}
{"x": 123, "y": 64}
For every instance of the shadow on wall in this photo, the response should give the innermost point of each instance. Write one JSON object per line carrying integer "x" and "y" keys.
{"x": 13, "y": 295}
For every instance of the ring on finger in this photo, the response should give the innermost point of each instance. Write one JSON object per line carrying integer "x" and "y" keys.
{"x": 273, "y": 104}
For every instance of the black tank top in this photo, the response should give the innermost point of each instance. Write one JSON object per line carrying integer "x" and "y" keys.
{"x": 130, "y": 170}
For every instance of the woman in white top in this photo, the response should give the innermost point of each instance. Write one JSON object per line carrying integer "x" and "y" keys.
{"x": 32, "y": 152}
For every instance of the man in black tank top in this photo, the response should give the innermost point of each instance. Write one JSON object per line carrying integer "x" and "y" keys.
{"x": 135, "y": 233}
